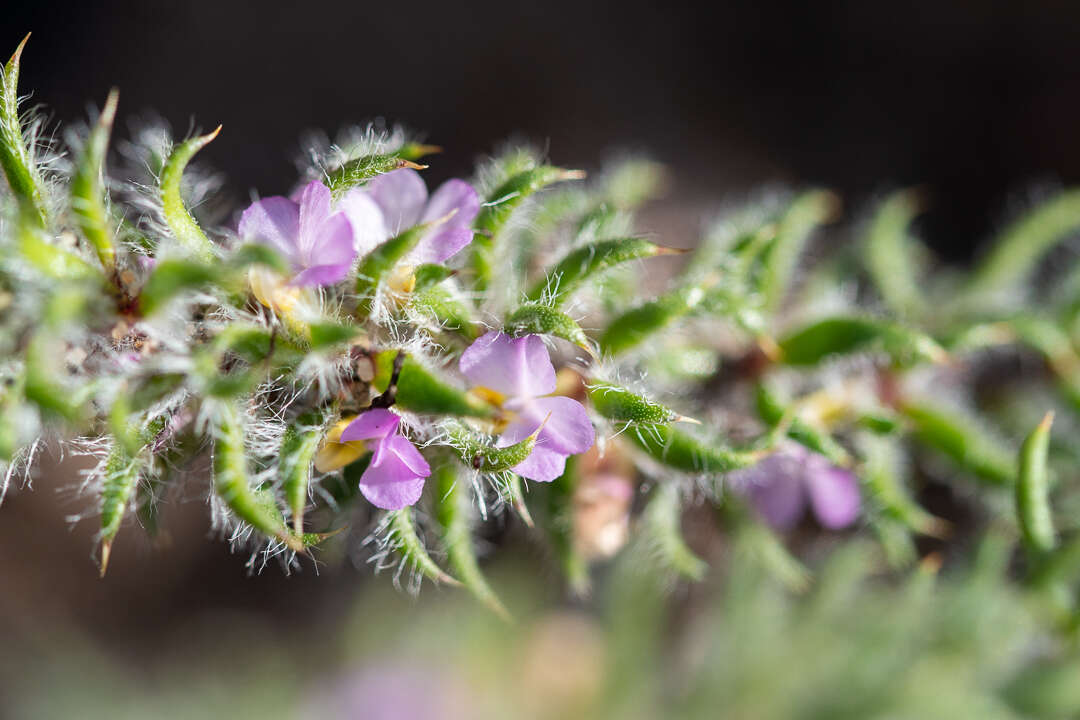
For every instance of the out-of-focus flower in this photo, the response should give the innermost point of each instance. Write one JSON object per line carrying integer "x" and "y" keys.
{"x": 394, "y": 692}
{"x": 395, "y": 476}
{"x": 603, "y": 494}
{"x": 516, "y": 374}
{"x": 402, "y": 200}
{"x": 318, "y": 243}
{"x": 602, "y": 515}
{"x": 784, "y": 483}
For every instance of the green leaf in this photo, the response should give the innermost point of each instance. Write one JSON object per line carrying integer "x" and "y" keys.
{"x": 298, "y": 448}
{"x": 359, "y": 170}
{"x": 621, "y": 405}
{"x": 661, "y": 522}
{"x": 772, "y": 411}
{"x": 959, "y": 438}
{"x": 1022, "y": 244}
{"x": 171, "y": 277}
{"x": 380, "y": 261}
{"x": 638, "y": 324}
{"x": 406, "y": 539}
{"x": 500, "y": 205}
{"x": 535, "y": 318}
{"x": 421, "y": 391}
{"x": 477, "y": 452}
{"x": 561, "y": 280}
{"x": 454, "y": 511}
{"x": 446, "y": 311}
{"x": 183, "y": 225}
{"x": 16, "y": 157}
{"x": 42, "y": 384}
{"x": 1032, "y": 490}
{"x": 428, "y": 275}
{"x": 842, "y": 335}
{"x": 120, "y": 477}
{"x": 881, "y": 474}
{"x": 49, "y": 260}
{"x": 682, "y": 451}
{"x": 330, "y": 335}
{"x": 778, "y": 264}
{"x": 232, "y": 483}
{"x": 890, "y": 254}
{"x": 89, "y": 201}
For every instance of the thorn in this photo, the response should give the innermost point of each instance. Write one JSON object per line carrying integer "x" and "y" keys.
{"x": 931, "y": 564}
{"x": 686, "y": 419}
{"x": 832, "y": 206}
{"x": 573, "y": 175}
{"x": 664, "y": 250}
{"x": 536, "y": 432}
{"x": 108, "y": 110}
{"x": 106, "y": 545}
{"x": 402, "y": 163}
{"x": 15, "y": 56}
{"x": 1047, "y": 421}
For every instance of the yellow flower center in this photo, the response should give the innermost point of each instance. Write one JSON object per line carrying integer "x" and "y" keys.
{"x": 333, "y": 453}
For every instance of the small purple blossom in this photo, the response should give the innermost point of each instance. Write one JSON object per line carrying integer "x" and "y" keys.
{"x": 402, "y": 201}
{"x": 520, "y": 370}
{"x": 784, "y": 483}
{"x": 319, "y": 244}
{"x": 395, "y": 477}
{"x": 394, "y": 690}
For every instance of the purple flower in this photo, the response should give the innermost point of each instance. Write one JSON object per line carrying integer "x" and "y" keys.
{"x": 402, "y": 200}
{"x": 520, "y": 373}
{"x": 319, "y": 244}
{"x": 394, "y": 690}
{"x": 781, "y": 486}
{"x": 395, "y": 476}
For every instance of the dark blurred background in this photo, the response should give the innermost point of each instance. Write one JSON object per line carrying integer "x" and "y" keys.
{"x": 975, "y": 99}
{"x": 978, "y": 101}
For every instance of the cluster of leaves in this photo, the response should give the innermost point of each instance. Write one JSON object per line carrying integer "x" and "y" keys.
{"x": 130, "y": 328}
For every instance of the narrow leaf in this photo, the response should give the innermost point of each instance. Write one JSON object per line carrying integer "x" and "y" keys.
{"x": 1032, "y": 490}
{"x": 455, "y": 513}
{"x": 183, "y": 225}
{"x": 89, "y": 200}
{"x": 579, "y": 265}
{"x": 16, "y": 157}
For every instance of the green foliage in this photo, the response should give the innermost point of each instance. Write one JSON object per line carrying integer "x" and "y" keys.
{"x": 184, "y": 228}
{"x": 165, "y": 349}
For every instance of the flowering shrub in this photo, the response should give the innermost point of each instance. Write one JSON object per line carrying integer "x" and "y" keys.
{"x": 509, "y": 345}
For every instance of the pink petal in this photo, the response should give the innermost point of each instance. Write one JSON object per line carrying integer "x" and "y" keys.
{"x": 834, "y": 495}
{"x": 394, "y": 495}
{"x": 775, "y": 487}
{"x": 542, "y": 465}
{"x": 321, "y": 275}
{"x": 568, "y": 430}
{"x": 377, "y": 423}
{"x": 314, "y": 210}
{"x": 395, "y": 476}
{"x": 517, "y": 367}
{"x": 273, "y": 221}
{"x": 369, "y": 229}
{"x": 440, "y": 245}
{"x": 401, "y": 195}
{"x": 332, "y": 244}
{"x": 407, "y": 453}
{"x": 453, "y": 195}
